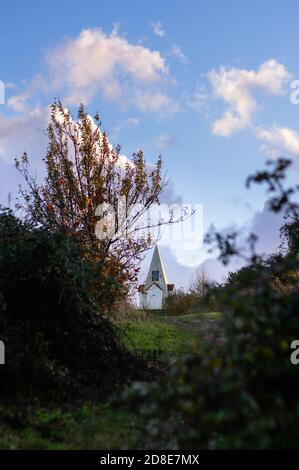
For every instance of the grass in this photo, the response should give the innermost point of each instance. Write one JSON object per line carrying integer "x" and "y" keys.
{"x": 208, "y": 326}
{"x": 156, "y": 334}
{"x": 102, "y": 426}
{"x": 200, "y": 316}
{"x": 87, "y": 427}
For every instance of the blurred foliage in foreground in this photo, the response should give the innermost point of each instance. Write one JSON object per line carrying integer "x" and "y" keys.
{"x": 245, "y": 394}
{"x": 88, "y": 426}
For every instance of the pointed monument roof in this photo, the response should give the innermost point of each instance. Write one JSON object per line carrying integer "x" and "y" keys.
{"x": 156, "y": 265}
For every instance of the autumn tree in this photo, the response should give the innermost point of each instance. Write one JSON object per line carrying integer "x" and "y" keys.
{"x": 89, "y": 188}
{"x": 200, "y": 283}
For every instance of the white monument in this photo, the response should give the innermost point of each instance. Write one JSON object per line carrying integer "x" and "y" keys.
{"x": 156, "y": 287}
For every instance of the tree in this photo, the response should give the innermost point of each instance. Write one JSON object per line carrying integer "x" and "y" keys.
{"x": 200, "y": 283}
{"x": 95, "y": 193}
{"x": 290, "y": 235}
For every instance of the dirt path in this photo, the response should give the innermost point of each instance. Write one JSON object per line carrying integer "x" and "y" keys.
{"x": 208, "y": 329}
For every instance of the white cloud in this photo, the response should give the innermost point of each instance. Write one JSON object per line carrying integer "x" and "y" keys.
{"x": 18, "y": 102}
{"x": 177, "y": 52}
{"x": 35, "y": 88}
{"x": 158, "y": 29}
{"x": 234, "y": 86}
{"x": 215, "y": 269}
{"x": 97, "y": 62}
{"x": 264, "y": 224}
{"x": 19, "y": 134}
{"x": 130, "y": 122}
{"x": 280, "y": 139}
{"x": 23, "y": 133}
{"x": 199, "y": 100}
{"x": 270, "y": 152}
{"x": 165, "y": 140}
{"x": 155, "y": 102}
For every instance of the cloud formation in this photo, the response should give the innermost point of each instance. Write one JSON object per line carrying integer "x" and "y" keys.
{"x": 155, "y": 102}
{"x": 96, "y": 62}
{"x": 234, "y": 86}
{"x": 265, "y": 224}
{"x": 18, "y": 103}
{"x": 158, "y": 29}
{"x": 279, "y": 140}
{"x": 19, "y": 134}
{"x": 23, "y": 133}
{"x": 165, "y": 140}
{"x": 177, "y": 52}
{"x": 127, "y": 123}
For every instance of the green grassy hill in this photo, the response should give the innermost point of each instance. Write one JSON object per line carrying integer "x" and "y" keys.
{"x": 105, "y": 426}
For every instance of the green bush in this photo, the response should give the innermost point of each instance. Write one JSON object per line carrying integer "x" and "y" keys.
{"x": 55, "y": 339}
{"x": 179, "y": 303}
{"x": 198, "y": 298}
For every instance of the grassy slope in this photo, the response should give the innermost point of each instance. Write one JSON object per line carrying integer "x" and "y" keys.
{"x": 200, "y": 316}
{"x": 101, "y": 427}
{"x": 156, "y": 334}
{"x": 84, "y": 427}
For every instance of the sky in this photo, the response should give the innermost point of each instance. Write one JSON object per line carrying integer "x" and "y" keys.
{"x": 207, "y": 84}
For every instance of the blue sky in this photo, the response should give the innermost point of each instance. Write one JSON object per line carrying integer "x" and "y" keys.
{"x": 204, "y": 83}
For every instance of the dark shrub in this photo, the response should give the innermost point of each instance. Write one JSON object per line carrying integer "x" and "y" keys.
{"x": 56, "y": 341}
